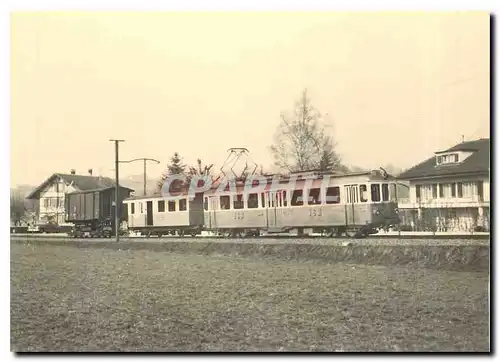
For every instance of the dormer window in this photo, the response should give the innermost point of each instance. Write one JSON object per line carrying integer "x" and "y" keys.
{"x": 446, "y": 159}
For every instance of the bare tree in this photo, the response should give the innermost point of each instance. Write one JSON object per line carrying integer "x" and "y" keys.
{"x": 301, "y": 142}
{"x": 17, "y": 209}
{"x": 198, "y": 170}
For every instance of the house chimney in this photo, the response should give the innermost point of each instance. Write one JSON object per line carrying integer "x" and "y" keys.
{"x": 90, "y": 171}
{"x": 73, "y": 171}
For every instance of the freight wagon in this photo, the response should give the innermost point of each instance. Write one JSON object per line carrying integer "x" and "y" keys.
{"x": 92, "y": 212}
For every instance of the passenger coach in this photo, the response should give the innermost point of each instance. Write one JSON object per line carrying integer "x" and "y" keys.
{"x": 352, "y": 205}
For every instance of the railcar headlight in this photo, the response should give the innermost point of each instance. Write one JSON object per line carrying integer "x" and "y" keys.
{"x": 376, "y": 212}
{"x": 396, "y": 210}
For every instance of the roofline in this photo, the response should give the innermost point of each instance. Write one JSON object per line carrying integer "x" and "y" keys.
{"x": 458, "y": 150}
{"x": 99, "y": 189}
{"x": 473, "y": 173}
{"x": 33, "y": 194}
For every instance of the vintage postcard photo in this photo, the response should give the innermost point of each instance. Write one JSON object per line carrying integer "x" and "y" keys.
{"x": 250, "y": 181}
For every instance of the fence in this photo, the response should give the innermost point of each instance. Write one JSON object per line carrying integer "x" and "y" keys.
{"x": 466, "y": 219}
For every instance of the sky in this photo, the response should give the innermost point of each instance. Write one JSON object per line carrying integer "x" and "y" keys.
{"x": 396, "y": 87}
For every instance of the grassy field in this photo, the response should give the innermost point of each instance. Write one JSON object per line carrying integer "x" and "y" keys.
{"x": 65, "y": 298}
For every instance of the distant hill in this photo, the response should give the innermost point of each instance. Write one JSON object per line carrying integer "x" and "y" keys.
{"x": 136, "y": 182}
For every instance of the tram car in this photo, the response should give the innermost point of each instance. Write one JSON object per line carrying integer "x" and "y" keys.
{"x": 92, "y": 212}
{"x": 352, "y": 205}
{"x": 172, "y": 215}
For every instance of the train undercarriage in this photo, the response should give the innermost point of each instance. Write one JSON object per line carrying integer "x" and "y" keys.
{"x": 334, "y": 232}
{"x": 93, "y": 229}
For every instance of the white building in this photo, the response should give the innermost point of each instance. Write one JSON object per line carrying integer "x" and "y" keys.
{"x": 450, "y": 191}
{"x": 51, "y": 193}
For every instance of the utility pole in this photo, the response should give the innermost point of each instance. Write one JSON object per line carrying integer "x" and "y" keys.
{"x": 117, "y": 189}
{"x": 145, "y": 160}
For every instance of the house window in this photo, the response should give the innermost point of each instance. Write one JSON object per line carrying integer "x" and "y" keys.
{"x": 333, "y": 195}
{"x": 447, "y": 190}
{"x": 467, "y": 189}
{"x": 161, "y": 206}
{"x": 253, "y": 201}
{"x": 417, "y": 191}
{"x": 451, "y": 158}
{"x": 434, "y": 191}
{"x": 460, "y": 190}
{"x": 453, "y": 190}
{"x": 171, "y": 206}
{"x": 480, "y": 190}
{"x": 132, "y": 208}
{"x": 182, "y": 205}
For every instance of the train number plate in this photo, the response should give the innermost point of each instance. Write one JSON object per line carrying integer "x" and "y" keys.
{"x": 315, "y": 212}
{"x": 239, "y": 215}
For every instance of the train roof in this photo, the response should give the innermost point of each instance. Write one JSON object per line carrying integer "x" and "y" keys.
{"x": 310, "y": 179}
{"x": 97, "y": 190}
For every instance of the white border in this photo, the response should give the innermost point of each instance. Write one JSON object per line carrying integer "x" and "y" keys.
{"x": 145, "y": 5}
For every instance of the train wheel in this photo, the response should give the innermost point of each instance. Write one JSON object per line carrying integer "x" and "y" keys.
{"x": 352, "y": 233}
{"x": 159, "y": 235}
{"x": 181, "y": 233}
{"x": 193, "y": 234}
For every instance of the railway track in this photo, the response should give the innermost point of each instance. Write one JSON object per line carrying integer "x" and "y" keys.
{"x": 259, "y": 240}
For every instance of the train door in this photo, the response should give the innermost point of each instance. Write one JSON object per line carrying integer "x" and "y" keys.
{"x": 149, "y": 213}
{"x": 213, "y": 207}
{"x": 351, "y": 196}
{"x": 271, "y": 199}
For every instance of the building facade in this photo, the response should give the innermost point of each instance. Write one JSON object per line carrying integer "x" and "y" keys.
{"x": 51, "y": 194}
{"x": 450, "y": 191}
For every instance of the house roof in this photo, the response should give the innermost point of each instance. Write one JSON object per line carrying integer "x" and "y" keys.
{"x": 478, "y": 162}
{"x": 80, "y": 182}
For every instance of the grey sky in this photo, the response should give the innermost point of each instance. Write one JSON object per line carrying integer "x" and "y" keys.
{"x": 397, "y": 86}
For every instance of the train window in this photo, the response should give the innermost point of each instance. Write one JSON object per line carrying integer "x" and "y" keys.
{"x": 253, "y": 201}
{"x": 393, "y": 192}
{"x": 285, "y": 200}
{"x": 225, "y": 202}
{"x": 238, "y": 202}
{"x": 385, "y": 192}
{"x": 333, "y": 195}
{"x": 262, "y": 200}
{"x": 363, "y": 193}
{"x": 161, "y": 206}
{"x": 314, "y": 196}
{"x": 297, "y": 198}
{"x": 171, "y": 206}
{"x": 205, "y": 203}
{"x": 375, "y": 191}
{"x": 142, "y": 207}
{"x": 132, "y": 208}
{"x": 182, "y": 205}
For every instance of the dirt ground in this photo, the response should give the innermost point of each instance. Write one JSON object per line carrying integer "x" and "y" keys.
{"x": 65, "y": 298}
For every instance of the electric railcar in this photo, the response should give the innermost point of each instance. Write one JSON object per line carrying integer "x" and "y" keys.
{"x": 353, "y": 205}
